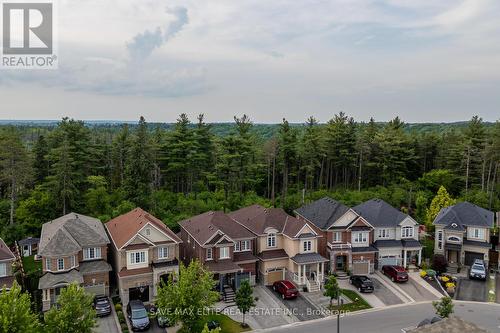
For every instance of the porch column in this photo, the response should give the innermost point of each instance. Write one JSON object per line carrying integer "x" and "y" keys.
{"x": 404, "y": 258}
{"x": 419, "y": 256}
{"x": 300, "y": 273}
{"x": 304, "y": 274}
{"x": 318, "y": 272}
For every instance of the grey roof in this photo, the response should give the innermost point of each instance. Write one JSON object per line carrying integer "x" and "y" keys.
{"x": 379, "y": 213}
{"x": 94, "y": 266}
{"x": 465, "y": 214}
{"x": 476, "y": 243}
{"x": 307, "y": 235}
{"x": 305, "y": 258}
{"x": 364, "y": 249}
{"x": 411, "y": 243}
{"x": 29, "y": 241}
{"x": 323, "y": 212}
{"x": 50, "y": 280}
{"x": 70, "y": 233}
{"x": 387, "y": 243}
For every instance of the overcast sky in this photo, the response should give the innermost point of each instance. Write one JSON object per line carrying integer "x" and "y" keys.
{"x": 425, "y": 61}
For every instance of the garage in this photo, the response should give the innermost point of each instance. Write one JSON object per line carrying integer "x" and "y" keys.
{"x": 471, "y": 256}
{"x": 383, "y": 261}
{"x": 98, "y": 289}
{"x": 140, "y": 293}
{"x": 274, "y": 275}
{"x": 360, "y": 267}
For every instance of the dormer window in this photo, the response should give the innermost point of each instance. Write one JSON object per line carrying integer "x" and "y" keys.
{"x": 271, "y": 240}
{"x": 406, "y": 232}
{"x": 307, "y": 246}
{"x": 224, "y": 253}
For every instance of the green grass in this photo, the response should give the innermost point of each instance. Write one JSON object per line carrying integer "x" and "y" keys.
{"x": 31, "y": 266}
{"x": 358, "y": 302}
{"x": 492, "y": 297}
{"x": 227, "y": 324}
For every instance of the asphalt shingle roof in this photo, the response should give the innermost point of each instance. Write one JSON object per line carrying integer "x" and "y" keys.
{"x": 305, "y": 258}
{"x": 95, "y": 266}
{"x": 5, "y": 252}
{"x": 323, "y": 212}
{"x": 465, "y": 214}
{"x": 387, "y": 243}
{"x": 49, "y": 280}
{"x": 379, "y": 213}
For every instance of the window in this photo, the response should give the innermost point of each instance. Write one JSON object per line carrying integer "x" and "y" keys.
{"x": 307, "y": 246}
{"x": 92, "y": 253}
{"x": 477, "y": 233}
{"x": 60, "y": 264}
{"x": 209, "y": 254}
{"x": 3, "y": 269}
{"x": 224, "y": 253}
{"x": 454, "y": 239}
{"x": 137, "y": 257}
{"x": 440, "y": 240}
{"x": 148, "y": 232}
{"x": 337, "y": 237}
{"x": 359, "y": 237}
{"x": 383, "y": 233}
{"x": 242, "y": 246}
{"x": 406, "y": 232}
{"x": 72, "y": 261}
{"x": 237, "y": 247}
{"x": 271, "y": 240}
{"x": 163, "y": 252}
{"x": 48, "y": 264}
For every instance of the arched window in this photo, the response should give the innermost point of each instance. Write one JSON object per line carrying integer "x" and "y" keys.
{"x": 453, "y": 239}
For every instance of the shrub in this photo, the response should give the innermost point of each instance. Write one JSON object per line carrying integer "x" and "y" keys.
{"x": 439, "y": 263}
{"x": 450, "y": 285}
{"x": 431, "y": 273}
{"x": 118, "y": 307}
{"x": 423, "y": 274}
{"x": 445, "y": 279}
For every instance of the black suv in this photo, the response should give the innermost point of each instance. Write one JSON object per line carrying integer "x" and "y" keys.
{"x": 362, "y": 282}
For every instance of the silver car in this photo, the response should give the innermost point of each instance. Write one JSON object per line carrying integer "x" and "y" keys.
{"x": 478, "y": 270}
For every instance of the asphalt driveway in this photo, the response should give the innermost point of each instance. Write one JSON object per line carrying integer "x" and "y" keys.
{"x": 416, "y": 291}
{"x": 471, "y": 290}
{"x": 384, "y": 294}
{"x": 300, "y": 307}
{"x": 107, "y": 324}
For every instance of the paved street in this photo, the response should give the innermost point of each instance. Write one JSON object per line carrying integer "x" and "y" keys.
{"x": 393, "y": 319}
{"x": 472, "y": 290}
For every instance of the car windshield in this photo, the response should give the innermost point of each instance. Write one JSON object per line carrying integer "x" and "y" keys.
{"x": 478, "y": 267}
{"x": 139, "y": 313}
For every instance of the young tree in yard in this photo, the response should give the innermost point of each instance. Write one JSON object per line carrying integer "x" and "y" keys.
{"x": 207, "y": 330}
{"x": 439, "y": 263}
{"x": 444, "y": 307}
{"x": 332, "y": 288}
{"x": 441, "y": 200}
{"x": 244, "y": 299}
{"x": 75, "y": 313}
{"x": 15, "y": 312}
{"x": 185, "y": 297}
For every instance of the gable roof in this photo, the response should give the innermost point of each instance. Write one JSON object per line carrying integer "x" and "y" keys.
{"x": 379, "y": 213}
{"x": 125, "y": 227}
{"x": 210, "y": 227}
{"x": 5, "y": 252}
{"x": 70, "y": 233}
{"x": 257, "y": 219}
{"x": 323, "y": 212}
{"x": 464, "y": 214}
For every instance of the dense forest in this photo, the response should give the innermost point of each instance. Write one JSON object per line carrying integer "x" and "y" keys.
{"x": 182, "y": 169}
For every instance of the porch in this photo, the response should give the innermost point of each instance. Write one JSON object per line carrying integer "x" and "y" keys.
{"x": 308, "y": 270}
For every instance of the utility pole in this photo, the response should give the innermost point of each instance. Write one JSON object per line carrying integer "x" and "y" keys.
{"x": 338, "y": 315}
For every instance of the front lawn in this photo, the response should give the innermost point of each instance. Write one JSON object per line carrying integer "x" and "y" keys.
{"x": 227, "y": 324}
{"x": 31, "y": 266}
{"x": 357, "y": 302}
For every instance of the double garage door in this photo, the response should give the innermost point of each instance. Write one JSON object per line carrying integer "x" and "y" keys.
{"x": 471, "y": 256}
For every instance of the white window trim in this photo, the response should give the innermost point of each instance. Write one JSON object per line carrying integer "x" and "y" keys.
{"x": 3, "y": 269}
{"x": 384, "y": 233}
{"x": 143, "y": 258}
{"x": 271, "y": 240}
{"x": 405, "y": 234}
{"x": 307, "y": 246}
{"x": 245, "y": 245}
{"x": 210, "y": 254}
{"x": 356, "y": 237}
{"x": 472, "y": 233}
{"x": 336, "y": 239}
{"x": 225, "y": 251}
{"x": 48, "y": 264}
{"x": 87, "y": 251}
{"x": 161, "y": 252}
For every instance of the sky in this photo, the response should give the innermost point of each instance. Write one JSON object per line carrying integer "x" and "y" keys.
{"x": 424, "y": 61}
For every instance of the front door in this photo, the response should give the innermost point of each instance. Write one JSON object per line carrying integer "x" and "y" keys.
{"x": 340, "y": 263}
{"x": 452, "y": 256}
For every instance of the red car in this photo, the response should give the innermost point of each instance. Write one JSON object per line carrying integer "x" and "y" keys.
{"x": 396, "y": 273}
{"x": 286, "y": 288}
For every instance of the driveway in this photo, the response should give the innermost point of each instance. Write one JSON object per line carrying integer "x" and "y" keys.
{"x": 300, "y": 307}
{"x": 384, "y": 294}
{"x": 107, "y": 324}
{"x": 416, "y": 291}
{"x": 471, "y": 290}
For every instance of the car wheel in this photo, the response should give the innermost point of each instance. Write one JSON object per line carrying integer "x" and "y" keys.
{"x": 359, "y": 289}
{"x": 283, "y": 296}
{"x": 393, "y": 279}
{"x": 274, "y": 288}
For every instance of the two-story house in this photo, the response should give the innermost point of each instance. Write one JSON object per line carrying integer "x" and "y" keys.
{"x": 347, "y": 238}
{"x": 223, "y": 246}
{"x": 287, "y": 248}
{"x": 73, "y": 248}
{"x": 395, "y": 233}
{"x": 462, "y": 233}
{"x": 145, "y": 252}
{"x": 7, "y": 259}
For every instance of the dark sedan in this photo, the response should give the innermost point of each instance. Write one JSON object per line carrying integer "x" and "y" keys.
{"x": 362, "y": 282}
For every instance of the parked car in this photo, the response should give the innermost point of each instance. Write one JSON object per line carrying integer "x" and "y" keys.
{"x": 478, "y": 270}
{"x": 395, "y": 273}
{"x": 102, "y": 306}
{"x": 138, "y": 315}
{"x": 286, "y": 288}
{"x": 362, "y": 282}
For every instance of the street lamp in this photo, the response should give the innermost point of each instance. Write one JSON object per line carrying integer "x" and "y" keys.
{"x": 338, "y": 315}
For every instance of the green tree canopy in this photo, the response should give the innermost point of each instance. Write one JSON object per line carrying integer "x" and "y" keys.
{"x": 440, "y": 201}
{"x": 15, "y": 312}
{"x": 244, "y": 298}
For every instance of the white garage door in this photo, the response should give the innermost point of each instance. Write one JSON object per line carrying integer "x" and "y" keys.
{"x": 360, "y": 268}
{"x": 387, "y": 261}
{"x": 98, "y": 289}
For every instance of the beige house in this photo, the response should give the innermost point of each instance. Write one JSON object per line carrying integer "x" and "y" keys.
{"x": 287, "y": 248}
{"x": 145, "y": 251}
{"x": 463, "y": 233}
{"x": 73, "y": 248}
{"x": 7, "y": 259}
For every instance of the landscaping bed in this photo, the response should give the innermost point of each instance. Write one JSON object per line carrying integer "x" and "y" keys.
{"x": 357, "y": 302}
{"x": 227, "y": 325}
{"x": 440, "y": 281}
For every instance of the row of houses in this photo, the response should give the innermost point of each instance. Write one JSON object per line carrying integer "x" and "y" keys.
{"x": 254, "y": 243}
